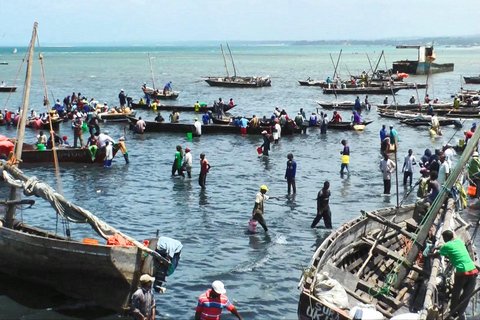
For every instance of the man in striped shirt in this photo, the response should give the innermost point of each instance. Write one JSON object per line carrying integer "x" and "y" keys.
{"x": 211, "y": 303}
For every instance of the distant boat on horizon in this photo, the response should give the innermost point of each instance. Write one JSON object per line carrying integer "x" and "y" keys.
{"x": 14, "y": 50}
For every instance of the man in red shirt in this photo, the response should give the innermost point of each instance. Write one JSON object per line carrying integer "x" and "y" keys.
{"x": 211, "y": 303}
{"x": 336, "y": 117}
{"x": 204, "y": 168}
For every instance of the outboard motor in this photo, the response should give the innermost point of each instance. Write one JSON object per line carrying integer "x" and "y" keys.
{"x": 170, "y": 249}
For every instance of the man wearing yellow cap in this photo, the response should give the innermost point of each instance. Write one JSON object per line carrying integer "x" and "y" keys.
{"x": 258, "y": 208}
{"x": 198, "y": 127}
{"x": 143, "y": 301}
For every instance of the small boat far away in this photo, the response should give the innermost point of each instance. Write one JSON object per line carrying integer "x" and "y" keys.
{"x": 237, "y": 81}
{"x": 424, "y": 64}
{"x": 153, "y": 93}
{"x": 14, "y": 50}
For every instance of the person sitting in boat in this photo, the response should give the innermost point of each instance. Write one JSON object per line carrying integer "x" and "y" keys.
{"x": 174, "y": 116}
{"x": 313, "y": 120}
{"x": 36, "y": 123}
{"x": 276, "y": 112}
{"x": 356, "y": 118}
{"x": 412, "y": 100}
{"x": 430, "y": 110}
{"x": 167, "y": 88}
{"x": 427, "y": 99}
{"x": 2, "y": 84}
{"x": 344, "y": 86}
{"x": 385, "y": 101}
{"x": 336, "y": 117}
{"x": 352, "y": 81}
{"x": 435, "y": 101}
{"x": 254, "y": 122}
{"x": 41, "y": 138}
{"x": 56, "y": 138}
{"x": 469, "y": 101}
{"x": 231, "y": 102}
{"x": 65, "y": 142}
{"x": 456, "y": 102}
{"x": 159, "y": 118}
{"x": 141, "y": 102}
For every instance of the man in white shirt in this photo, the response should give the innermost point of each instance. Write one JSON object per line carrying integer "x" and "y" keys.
{"x": 187, "y": 162}
{"x": 407, "y": 167}
{"x": 103, "y": 138}
{"x": 443, "y": 171}
{"x": 108, "y": 154}
{"x": 140, "y": 126}
{"x": 198, "y": 127}
{"x": 387, "y": 166}
{"x": 449, "y": 153}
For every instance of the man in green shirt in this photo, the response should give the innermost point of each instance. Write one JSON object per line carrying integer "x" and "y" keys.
{"x": 465, "y": 271}
{"x": 473, "y": 171}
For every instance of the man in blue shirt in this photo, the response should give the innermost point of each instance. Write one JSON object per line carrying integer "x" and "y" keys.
{"x": 313, "y": 119}
{"x": 290, "y": 173}
{"x": 206, "y": 118}
{"x": 358, "y": 106}
{"x": 383, "y": 133}
{"x": 243, "y": 125}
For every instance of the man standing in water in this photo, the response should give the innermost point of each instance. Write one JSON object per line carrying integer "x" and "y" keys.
{"x": 143, "y": 300}
{"x": 204, "y": 168}
{"x": 258, "y": 207}
{"x": 290, "y": 173}
{"x": 266, "y": 143}
{"x": 211, "y": 303}
{"x": 345, "y": 157}
{"x": 387, "y": 166}
{"x": 323, "y": 208}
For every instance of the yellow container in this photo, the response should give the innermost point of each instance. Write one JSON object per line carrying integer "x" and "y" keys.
{"x": 461, "y": 142}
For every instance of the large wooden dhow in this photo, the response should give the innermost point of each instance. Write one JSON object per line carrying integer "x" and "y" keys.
{"x": 376, "y": 259}
{"x": 102, "y": 275}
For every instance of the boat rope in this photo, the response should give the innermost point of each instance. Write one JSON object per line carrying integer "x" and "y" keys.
{"x": 68, "y": 210}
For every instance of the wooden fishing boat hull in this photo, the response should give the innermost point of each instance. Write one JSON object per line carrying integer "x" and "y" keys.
{"x": 475, "y": 80}
{"x": 345, "y": 126}
{"x": 226, "y": 121}
{"x": 104, "y": 275}
{"x": 117, "y": 117}
{"x": 152, "y": 126}
{"x": 343, "y": 253}
{"x": 168, "y": 96}
{"x": 179, "y": 108}
{"x": 8, "y": 89}
{"x": 46, "y": 125}
{"x": 345, "y": 105}
{"x": 428, "y": 123}
{"x": 239, "y": 83}
{"x": 64, "y": 155}
{"x": 315, "y": 83}
{"x": 371, "y": 90}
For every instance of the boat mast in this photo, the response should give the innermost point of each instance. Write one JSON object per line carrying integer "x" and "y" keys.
{"x": 431, "y": 215}
{"x": 225, "y": 61}
{"x": 233, "y": 61}
{"x": 151, "y": 70}
{"x": 336, "y": 66}
{"x": 23, "y": 121}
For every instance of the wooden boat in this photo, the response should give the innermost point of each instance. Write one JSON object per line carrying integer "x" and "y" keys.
{"x": 162, "y": 107}
{"x": 88, "y": 271}
{"x": 475, "y": 80}
{"x": 345, "y": 125}
{"x": 465, "y": 113}
{"x": 237, "y": 81}
{"x": 46, "y": 125}
{"x": 3, "y": 63}
{"x": 155, "y": 93}
{"x": 415, "y": 106}
{"x": 152, "y": 126}
{"x": 365, "y": 90}
{"x": 424, "y": 64}
{"x": 315, "y": 83}
{"x": 345, "y": 105}
{"x": 375, "y": 260}
{"x": 64, "y": 155}
{"x": 116, "y": 117}
{"x": 418, "y": 122}
{"x": 8, "y": 89}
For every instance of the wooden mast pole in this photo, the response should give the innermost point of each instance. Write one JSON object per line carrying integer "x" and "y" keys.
{"x": 336, "y": 67}
{"x": 225, "y": 61}
{"x": 151, "y": 70}
{"x": 233, "y": 61}
{"x": 23, "y": 121}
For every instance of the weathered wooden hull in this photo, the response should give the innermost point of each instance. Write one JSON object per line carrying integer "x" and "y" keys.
{"x": 444, "y": 112}
{"x": 46, "y": 125}
{"x": 117, "y": 117}
{"x": 475, "y": 80}
{"x": 152, "y": 126}
{"x": 238, "y": 84}
{"x": 99, "y": 274}
{"x": 8, "y": 89}
{"x": 371, "y": 90}
{"x": 344, "y": 125}
{"x": 72, "y": 155}
{"x": 179, "y": 108}
{"x": 160, "y": 96}
{"x": 428, "y": 123}
{"x": 419, "y": 68}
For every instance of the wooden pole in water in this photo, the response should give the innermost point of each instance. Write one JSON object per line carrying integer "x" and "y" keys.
{"x": 225, "y": 61}
{"x": 23, "y": 121}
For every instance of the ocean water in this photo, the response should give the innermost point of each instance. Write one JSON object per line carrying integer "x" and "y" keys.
{"x": 261, "y": 271}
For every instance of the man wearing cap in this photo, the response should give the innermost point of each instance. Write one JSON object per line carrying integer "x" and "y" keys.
{"x": 258, "y": 207}
{"x": 198, "y": 127}
{"x": 122, "y": 98}
{"x": 212, "y": 302}
{"x": 143, "y": 300}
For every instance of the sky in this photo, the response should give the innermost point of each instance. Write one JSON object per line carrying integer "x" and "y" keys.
{"x": 131, "y": 22}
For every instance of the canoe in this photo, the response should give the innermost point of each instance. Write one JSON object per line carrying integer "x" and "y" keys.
{"x": 418, "y": 122}
{"x": 8, "y": 89}
{"x": 179, "y": 108}
{"x": 152, "y": 126}
{"x": 73, "y": 155}
{"x": 345, "y": 125}
{"x": 366, "y": 90}
{"x": 239, "y": 82}
{"x": 471, "y": 112}
{"x": 116, "y": 117}
{"x": 46, "y": 125}
{"x": 169, "y": 95}
{"x": 226, "y": 121}
{"x": 475, "y": 80}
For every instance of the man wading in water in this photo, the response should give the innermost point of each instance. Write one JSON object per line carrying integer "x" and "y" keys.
{"x": 323, "y": 208}
{"x": 258, "y": 207}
